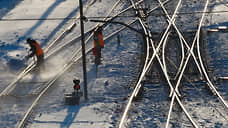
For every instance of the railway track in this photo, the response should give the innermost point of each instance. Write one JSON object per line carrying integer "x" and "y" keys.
{"x": 185, "y": 56}
{"x": 46, "y": 85}
{"x": 152, "y": 54}
{"x": 7, "y": 92}
{"x": 31, "y": 66}
{"x": 71, "y": 61}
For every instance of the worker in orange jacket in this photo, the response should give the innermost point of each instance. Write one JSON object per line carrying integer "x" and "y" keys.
{"x": 98, "y": 38}
{"x": 36, "y": 49}
{"x": 98, "y": 44}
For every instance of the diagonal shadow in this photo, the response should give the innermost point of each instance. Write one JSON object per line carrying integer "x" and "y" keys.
{"x": 45, "y": 15}
{"x": 7, "y": 5}
{"x": 72, "y": 14}
{"x": 60, "y": 25}
{"x": 15, "y": 45}
{"x": 71, "y": 115}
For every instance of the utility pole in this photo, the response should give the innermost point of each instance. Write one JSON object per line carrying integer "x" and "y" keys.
{"x": 83, "y": 50}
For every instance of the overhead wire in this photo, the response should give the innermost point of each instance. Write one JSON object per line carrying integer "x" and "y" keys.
{"x": 94, "y": 17}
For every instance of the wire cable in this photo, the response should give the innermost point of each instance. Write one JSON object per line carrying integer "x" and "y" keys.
{"x": 123, "y": 16}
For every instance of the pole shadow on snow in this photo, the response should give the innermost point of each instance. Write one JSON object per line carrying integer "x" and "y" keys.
{"x": 31, "y": 30}
{"x": 60, "y": 25}
{"x": 72, "y": 14}
{"x": 45, "y": 15}
{"x": 7, "y": 5}
{"x": 71, "y": 115}
{"x": 72, "y": 112}
{"x": 68, "y": 120}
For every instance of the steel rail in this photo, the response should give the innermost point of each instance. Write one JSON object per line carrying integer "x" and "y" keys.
{"x": 147, "y": 49}
{"x": 165, "y": 72}
{"x": 199, "y": 92}
{"x": 189, "y": 54}
{"x": 153, "y": 56}
{"x": 157, "y": 57}
{"x": 25, "y": 71}
{"x": 175, "y": 91}
{"x": 163, "y": 52}
{"x": 182, "y": 59}
{"x": 176, "y": 96}
{"x": 181, "y": 36}
{"x": 147, "y": 41}
{"x": 149, "y": 30}
{"x": 144, "y": 67}
{"x": 212, "y": 87}
{"x": 162, "y": 65}
{"x": 181, "y": 105}
{"x": 172, "y": 23}
{"x": 32, "y": 64}
{"x": 138, "y": 85}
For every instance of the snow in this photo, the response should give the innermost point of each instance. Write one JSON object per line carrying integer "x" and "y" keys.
{"x": 109, "y": 85}
{"x": 219, "y": 17}
{"x": 75, "y": 116}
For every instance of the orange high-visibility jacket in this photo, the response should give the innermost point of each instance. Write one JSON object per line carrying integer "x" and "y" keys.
{"x": 98, "y": 41}
{"x": 39, "y": 50}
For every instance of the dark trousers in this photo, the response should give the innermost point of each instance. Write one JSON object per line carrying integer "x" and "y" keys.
{"x": 40, "y": 62}
{"x": 98, "y": 55}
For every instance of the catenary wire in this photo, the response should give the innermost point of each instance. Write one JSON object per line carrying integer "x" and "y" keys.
{"x": 124, "y": 16}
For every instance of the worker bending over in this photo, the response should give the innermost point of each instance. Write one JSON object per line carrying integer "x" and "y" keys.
{"x": 36, "y": 49}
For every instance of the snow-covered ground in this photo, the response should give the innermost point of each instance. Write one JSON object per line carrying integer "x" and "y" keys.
{"x": 109, "y": 87}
